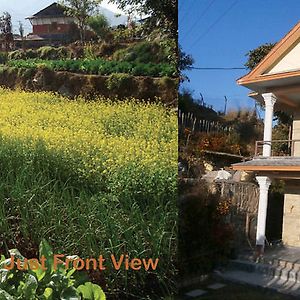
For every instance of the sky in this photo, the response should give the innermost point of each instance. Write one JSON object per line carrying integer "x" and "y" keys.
{"x": 20, "y": 9}
{"x": 219, "y": 33}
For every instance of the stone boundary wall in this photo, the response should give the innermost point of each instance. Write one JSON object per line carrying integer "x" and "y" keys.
{"x": 243, "y": 198}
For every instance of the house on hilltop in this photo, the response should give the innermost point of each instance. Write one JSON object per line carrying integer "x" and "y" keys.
{"x": 275, "y": 82}
{"x": 52, "y": 25}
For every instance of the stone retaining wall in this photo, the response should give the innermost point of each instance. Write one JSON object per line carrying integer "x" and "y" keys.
{"x": 90, "y": 86}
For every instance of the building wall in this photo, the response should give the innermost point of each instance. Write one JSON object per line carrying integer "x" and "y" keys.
{"x": 296, "y": 133}
{"x": 51, "y": 29}
{"x": 47, "y": 21}
{"x": 291, "y": 220}
{"x": 290, "y": 61}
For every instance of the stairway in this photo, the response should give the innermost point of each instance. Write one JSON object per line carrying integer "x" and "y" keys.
{"x": 279, "y": 274}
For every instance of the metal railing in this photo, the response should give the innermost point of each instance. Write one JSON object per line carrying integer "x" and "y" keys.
{"x": 278, "y": 147}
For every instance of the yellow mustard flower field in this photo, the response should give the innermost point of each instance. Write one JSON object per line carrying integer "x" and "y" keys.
{"x": 95, "y": 177}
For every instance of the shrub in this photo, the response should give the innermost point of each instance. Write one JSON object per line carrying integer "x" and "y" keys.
{"x": 118, "y": 81}
{"x": 3, "y": 57}
{"x": 17, "y": 54}
{"x": 52, "y": 53}
{"x": 43, "y": 281}
{"x": 98, "y": 66}
{"x": 99, "y": 25}
{"x": 142, "y": 52}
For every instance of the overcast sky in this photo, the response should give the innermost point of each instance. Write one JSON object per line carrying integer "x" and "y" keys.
{"x": 20, "y": 9}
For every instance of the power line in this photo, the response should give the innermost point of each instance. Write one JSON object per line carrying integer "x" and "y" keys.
{"x": 215, "y": 23}
{"x": 187, "y": 10}
{"x": 218, "y": 68}
{"x": 199, "y": 18}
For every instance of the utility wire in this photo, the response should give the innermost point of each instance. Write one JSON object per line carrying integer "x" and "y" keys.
{"x": 215, "y": 23}
{"x": 218, "y": 68}
{"x": 187, "y": 10}
{"x": 199, "y": 17}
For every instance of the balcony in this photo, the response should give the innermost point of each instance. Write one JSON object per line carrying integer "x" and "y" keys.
{"x": 279, "y": 147}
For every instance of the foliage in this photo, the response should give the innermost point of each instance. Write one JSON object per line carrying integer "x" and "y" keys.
{"x": 256, "y": 55}
{"x": 44, "y": 282}
{"x": 281, "y": 132}
{"x": 185, "y": 62}
{"x": 6, "y": 30}
{"x": 52, "y": 53}
{"x": 99, "y": 24}
{"x": 204, "y": 234}
{"x": 98, "y": 67}
{"x": 81, "y": 10}
{"x": 163, "y": 13}
{"x": 118, "y": 80}
{"x": 187, "y": 103}
{"x": 146, "y": 52}
{"x": 91, "y": 177}
{"x": 126, "y": 35}
{"x": 3, "y": 57}
{"x": 220, "y": 143}
{"x": 254, "y": 58}
{"x": 45, "y": 52}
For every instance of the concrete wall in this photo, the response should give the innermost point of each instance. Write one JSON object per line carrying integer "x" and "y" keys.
{"x": 289, "y": 62}
{"x": 291, "y": 220}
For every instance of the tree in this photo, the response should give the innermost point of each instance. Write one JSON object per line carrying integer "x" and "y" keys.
{"x": 6, "y": 30}
{"x": 162, "y": 12}
{"x": 99, "y": 24}
{"x": 185, "y": 62}
{"x": 257, "y": 54}
{"x": 81, "y": 10}
{"x": 21, "y": 32}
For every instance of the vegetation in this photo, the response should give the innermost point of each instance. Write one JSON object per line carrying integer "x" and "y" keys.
{"x": 100, "y": 25}
{"x": 34, "y": 279}
{"x": 97, "y": 177}
{"x": 97, "y": 67}
{"x": 256, "y": 55}
{"x": 6, "y": 34}
{"x": 204, "y": 234}
{"x": 163, "y": 13}
{"x": 81, "y": 10}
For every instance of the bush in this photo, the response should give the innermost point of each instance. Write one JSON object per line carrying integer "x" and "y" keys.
{"x": 118, "y": 81}
{"x": 17, "y": 54}
{"x": 52, "y": 53}
{"x": 3, "y": 57}
{"x": 99, "y": 67}
{"x": 205, "y": 236}
{"x": 37, "y": 281}
{"x": 142, "y": 52}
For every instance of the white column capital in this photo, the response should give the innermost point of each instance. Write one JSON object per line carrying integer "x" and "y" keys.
{"x": 269, "y": 98}
{"x": 264, "y": 182}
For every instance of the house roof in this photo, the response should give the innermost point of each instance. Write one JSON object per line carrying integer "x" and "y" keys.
{"x": 261, "y": 73}
{"x": 270, "y": 164}
{"x": 53, "y": 10}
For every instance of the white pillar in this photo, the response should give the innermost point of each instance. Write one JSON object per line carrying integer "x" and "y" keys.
{"x": 270, "y": 100}
{"x": 264, "y": 184}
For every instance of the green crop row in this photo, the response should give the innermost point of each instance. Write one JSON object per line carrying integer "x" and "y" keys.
{"x": 98, "y": 67}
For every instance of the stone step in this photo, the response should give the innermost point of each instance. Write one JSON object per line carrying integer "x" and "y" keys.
{"x": 262, "y": 280}
{"x": 280, "y": 271}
